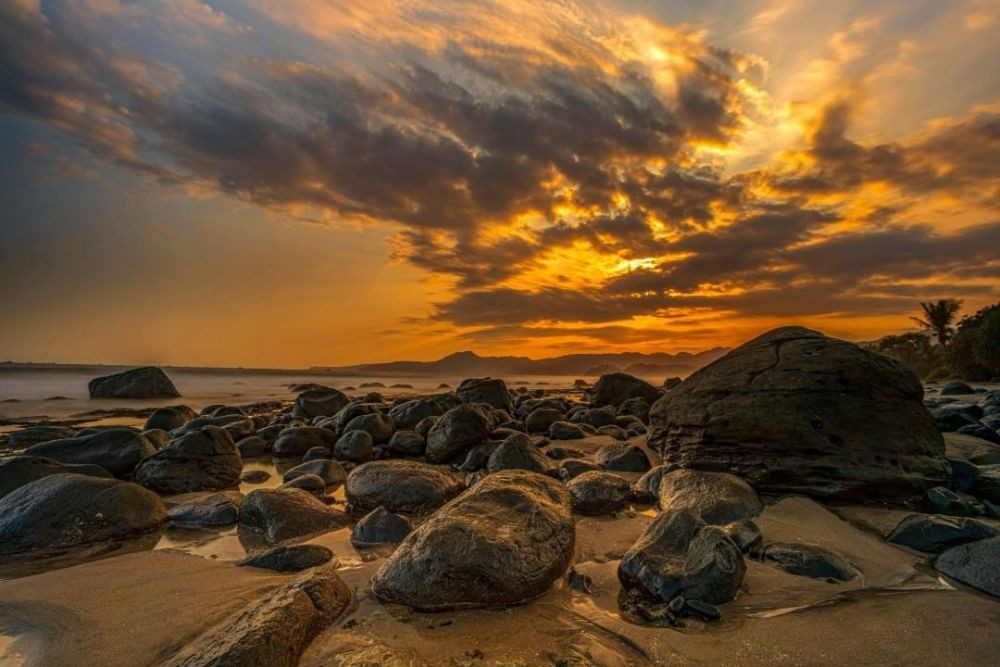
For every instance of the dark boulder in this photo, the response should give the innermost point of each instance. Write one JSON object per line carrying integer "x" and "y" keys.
{"x": 406, "y": 443}
{"x": 117, "y": 450}
{"x": 570, "y": 468}
{"x": 375, "y": 424}
{"x": 354, "y": 446}
{"x": 492, "y": 392}
{"x": 565, "y": 431}
{"x": 504, "y": 541}
{"x": 540, "y": 419}
{"x": 66, "y": 510}
{"x": 933, "y": 534}
{"x": 956, "y": 388}
{"x": 793, "y": 411}
{"x": 253, "y": 446}
{"x": 457, "y": 430}
{"x": 940, "y": 500}
{"x": 201, "y": 460}
{"x": 622, "y": 457}
{"x": 288, "y": 558}
{"x": 401, "y": 486}
{"x": 147, "y": 382}
{"x": 169, "y": 418}
{"x": 809, "y": 560}
{"x": 314, "y": 484}
{"x": 297, "y": 440}
{"x": 319, "y": 403}
{"x": 21, "y": 470}
{"x": 407, "y": 415}
{"x": 637, "y": 407}
{"x": 380, "y": 526}
{"x": 218, "y": 509}
{"x": 745, "y": 534}
{"x": 988, "y": 483}
{"x": 331, "y": 472}
{"x": 717, "y": 498}
{"x": 284, "y": 514}
{"x": 26, "y": 437}
{"x": 518, "y": 452}
{"x": 598, "y": 493}
{"x": 616, "y": 388}
{"x": 678, "y": 554}
{"x": 974, "y": 564}
{"x": 596, "y": 417}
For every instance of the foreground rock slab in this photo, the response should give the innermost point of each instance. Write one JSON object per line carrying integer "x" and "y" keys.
{"x": 504, "y": 541}
{"x": 793, "y": 411}
{"x": 66, "y": 510}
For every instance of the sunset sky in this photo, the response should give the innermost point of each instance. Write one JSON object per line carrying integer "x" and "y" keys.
{"x": 305, "y": 182}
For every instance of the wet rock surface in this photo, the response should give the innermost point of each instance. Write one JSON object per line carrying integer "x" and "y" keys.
{"x": 380, "y": 526}
{"x": 974, "y": 564}
{"x": 504, "y": 541}
{"x": 218, "y": 509}
{"x": 288, "y": 558}
{"x": 284, "y": 514}
{"x": 598, "y": 493}
{"x": 716, "y": 498}
{"x": 827, "y": 402}
{"x": 206, "y": 459}
{"x": 21, "y": 470}
{"x": 456, "y": 431}
{"x": 117, "y": 450}
{"x": 933, "y": 534}
{"x": 809, "y": 560}
{"x": 409, "y": 487}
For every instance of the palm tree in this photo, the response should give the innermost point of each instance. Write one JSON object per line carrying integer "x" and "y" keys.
{"x": 938, "y": 316}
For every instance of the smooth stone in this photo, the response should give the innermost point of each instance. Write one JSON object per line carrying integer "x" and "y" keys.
{"x": 297, "y": 440}
{"x": 380, "y": 526}
{"x": 622, "y": 457}
{"x": 288, "y": 558}
{"x": 518, "y": 452}
{"x": 974, "y": 564}
{"x": 809, "y": 560}
{"x": 478, "y": 456}
{"x": 218, "y": 509}
{"x": 598, "y": 493}
{"x": 146, "y": 382}
{"x": 491, "y": 391}
{"x": 117, "y": 450}
{"x": 540, "y": 419}
{"x": 717, "y": 498}
{"x": 284, "y": 514}
{"x": 456, "y": 431}
{"x": 409, "y": 487}
{"x": 26, "y": 437}
{"x": 379, "y": 426}
{"x": 169, "y": 418}
{"x": 407, "y": 443}
{"x": 354, "y": 446}
{"x": 314, "y": 484}
{"x": 255, "y": 476}
{"x": 563, "y": 430}
{"x": 933, "y": 534}
{"x": 330, "y": 471}
{"x": 745, "y": 534}
{"x": 202, "y": 460}
{"x": 409, "y": 414}
{"x": 316, "y": 453}
{"x": 319, "y": 403}
{"x": 570, "y": 468}
{"x": 20, "y": 470}
{"x": 940, "y": 500}
{"x": 616, "y": 388}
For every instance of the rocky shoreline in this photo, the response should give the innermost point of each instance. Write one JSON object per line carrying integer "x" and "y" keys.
{"x": 798, "y": 501}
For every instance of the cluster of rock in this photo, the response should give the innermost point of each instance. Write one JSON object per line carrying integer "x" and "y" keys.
{"x": 479, "y": 487}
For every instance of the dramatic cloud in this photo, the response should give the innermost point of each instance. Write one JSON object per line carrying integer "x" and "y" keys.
{"x": 558, "y": 167}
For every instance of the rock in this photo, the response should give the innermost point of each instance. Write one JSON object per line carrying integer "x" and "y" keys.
{"x": 331, "y": 472}
{"x": 21, "y": 470}
{"x": 504, "y": 541}
{"x": 157, "y": 437}
{"x": 745, "y": 534}
{"x": 841, "y": 421}
{"x": 953, "y": 388}
{"x": 988, "y": 483}
{"x": 716, "y": 498}
{"x": 678, "y": 554}
{"x": 66, "y": 510}
{"x": 616, "y": 388}
{"x": 117, "y": 450}
{"x": 400, "y": 486}
{"x": 238, "y": 427}
{"x": 623, "y": 457}
{"x": 255, "y": 476}
{"x": 647, "y": 486}
{"x": 613, "y": 431}
{"x": 253, "y": 446}
{"x": 934, "y": 534}
{"x": 406, "y": 443}
{"x": 565, "y": 431}
{"x": 169, "y": 418}
{"x": 455, "y": 431}
{"x": 596, "y": 417}
{"x": 273, "y": 631}
{"x": 558, "y": 452}
{"x": 809, "y": 560}
{"x": 354, "y": 446}
{"x": 940, "y": 500}
{"x": 671, "y": 382}
{"x": 218, "y": 509}
{"x": 972, "y": 449}
{"x": 147, "y": 382}
{"x": 702, "y": 610}
{"x": 314, "y": 484}
{"x": 478, "y": 457}
{"x": 571, "y": 468}
{"x": 376, "y": 424}
{"x": 974, "y": 564}
{"x": 540, "y": 419}
{"x": 316, "y": 453}
{"x": 288, "y": 558}
{"x": 980, "y": 431}
{"x": 380, "y": 526}
{"x": 636, "y": 407}
{"x": 319, "y": 403}
{"x": 201, "y": 460}
{"x": 963, "y": 476}
{"x": 492, "y": 392}
{"x": 598, "y": 493}
{"x": 33, "y": 435}
{"x": 297, "y": 440}
{"x": 407, "y": 415}
{"x": 284, "y": 514}
{"x": 518, "y": 452}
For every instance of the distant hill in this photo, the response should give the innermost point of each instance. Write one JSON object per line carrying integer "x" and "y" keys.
{"x": 656, "y": 366}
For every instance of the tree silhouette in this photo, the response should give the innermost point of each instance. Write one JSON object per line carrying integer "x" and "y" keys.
{"x": 938, "y": 317}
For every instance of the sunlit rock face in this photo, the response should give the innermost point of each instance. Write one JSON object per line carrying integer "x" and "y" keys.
{"x": 793, "y": 411}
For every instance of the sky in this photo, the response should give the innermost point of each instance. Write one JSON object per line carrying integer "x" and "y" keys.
{"x": 289, "y": 183}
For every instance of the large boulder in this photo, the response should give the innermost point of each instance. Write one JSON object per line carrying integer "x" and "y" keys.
{"x": 716, "y": 497}
{"x": 147, "y": 382}
{"x": 407, "y": 415}
{"x": 21, "y": 470}
{"x": 491, "y": 391}
{"x": 319, "y": 403}
{"x": 678, "y": 554}
{"x": 117, "y": 450}
{"x": 793, "y": 411}
{"x": 66, "y": 510}
{"x": 202, "y": 460}
{"x": 616, "y": 388}
{"x": 288, "y": 557}
{"x": 974, "y": 564}
{"x": 285, "y": 514}
{"x": 504, "y": 541}
{"x": 456, "y": 431}
{"x": 401, "y": 486}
